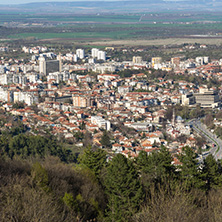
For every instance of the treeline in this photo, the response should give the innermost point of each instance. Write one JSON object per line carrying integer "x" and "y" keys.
{"x": 25, "y": 145}
{"x": 101, "y": 188}
{"x": 155, "y": 74}
{"x": 185, "y": 112}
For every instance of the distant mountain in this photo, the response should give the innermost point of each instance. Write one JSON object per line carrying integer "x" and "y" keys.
{"x": 116, "y": 6}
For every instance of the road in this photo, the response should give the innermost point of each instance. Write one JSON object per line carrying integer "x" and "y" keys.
{"x": 202, "y": 130}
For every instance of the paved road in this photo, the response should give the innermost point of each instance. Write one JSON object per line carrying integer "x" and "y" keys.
{"x": 202, "y": 130}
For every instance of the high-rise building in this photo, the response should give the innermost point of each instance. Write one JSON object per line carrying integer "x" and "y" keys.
{"x": 101, "y": 55}
{"x": 137, "y": 59}
{"x": 202, "y": 60}
{"x": 42, "y": 64}
{"x": 156, "y": 60}
{"x": 59, "y": 58}
{"x": 80, "y": 53}
{"x": 82, "y": 101}
{"x": 47, "y": 66}
{"x": 94, "y": 52}
{"x": 188, "y": 99}
{"x": 75, "y": 58}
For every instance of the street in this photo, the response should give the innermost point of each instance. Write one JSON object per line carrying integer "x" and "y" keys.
{"x": 202, "y": 130}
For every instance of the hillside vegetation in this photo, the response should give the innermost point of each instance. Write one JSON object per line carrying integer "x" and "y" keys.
{"x": 35, "y": 186}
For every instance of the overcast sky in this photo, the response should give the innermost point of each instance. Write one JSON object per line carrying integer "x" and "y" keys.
{"x": 28, "y": 1}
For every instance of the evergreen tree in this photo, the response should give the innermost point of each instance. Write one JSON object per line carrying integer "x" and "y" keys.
{"x": 156, "y": 168}
{"x": 211, "y": 173}
{"x": 40, "y": 176}
{"x": 190, "y": 175}
{"x": 123, "y": 188}
{"x": 94, "y": 160}
{"x": 105, "y": 140}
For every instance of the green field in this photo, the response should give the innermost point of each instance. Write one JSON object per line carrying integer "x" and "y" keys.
{"x": 117, "y": 31}
{"x": 6, "y": 16}
{"x": 108, "y": 27}
{"x": 79, "y": 35}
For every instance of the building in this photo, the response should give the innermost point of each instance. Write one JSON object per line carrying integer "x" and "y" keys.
{"x": 48, "y": 66}
{"x": 103, "y": 68}
{"x": 98, "y": 54}
{"x": 202, "y": 60}
{"x": 94, "y": 52}
{"x": 175, "y": 61}
{"x": 59, "y": 58}
{"x": 137, "y": 59}
{"x": 75, "y": 58}
{"x": 100, "y": 122}
{"x": 42, "y": 68}
{"x": 61, "y": 76}
{"x": 156, "y": 62}
{"x": 82, "y": 101}
{"x": 188, "y": 99}
{"x": 52, "y": 66}
{"x": 101, "y": 55}
{"x": 80, "y": 53}
{"x": 207, "y": 99}
{"x": 6, "y": 79}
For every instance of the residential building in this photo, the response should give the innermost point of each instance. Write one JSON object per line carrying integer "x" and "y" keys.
{"x": 102, "y": 123}
{"x": 80, "y": 53}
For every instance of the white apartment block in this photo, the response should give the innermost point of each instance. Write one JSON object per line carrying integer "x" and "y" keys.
{"x": 104, "y": 68}
{"x": 61, "y": 76}
{"x": 101, "y": 55}
{"x": 80, "y": 53}
{"x": 6, "y": 79}
{"x": 94, "y": 52}
{"x": 100, "y": 122}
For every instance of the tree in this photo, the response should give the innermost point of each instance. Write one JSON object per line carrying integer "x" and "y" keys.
{"x": 196, "y": 112}
{"x": 123, "y": 188}
{"x": 169, "y": 113}
{"x": 200, "y": 141}
{"x": 219, "y": 115}
{"x": 105, "y": 140}
{"x": 172, "y": 207}
{"x": 190, "y": 175}
{"x": 40, "y": 176}
{"x": 87, "y": 139}
{"x": 184, "y": 113}
{"x": 208, "y": 120}
{"x": 156, "y": 168}
{"x": 212, "y": 173}
{"x": 94, "y": 160}
{"x": 18, "y": 105}
{"x": 218, "y": 131}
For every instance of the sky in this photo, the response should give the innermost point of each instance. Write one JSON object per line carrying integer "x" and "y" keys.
{"x": 29, "y": 1}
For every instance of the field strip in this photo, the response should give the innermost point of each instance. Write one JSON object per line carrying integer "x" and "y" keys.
{"x": 169, "y": 41}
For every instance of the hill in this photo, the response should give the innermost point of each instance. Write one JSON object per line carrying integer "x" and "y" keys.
{"x": 116, "y": 6}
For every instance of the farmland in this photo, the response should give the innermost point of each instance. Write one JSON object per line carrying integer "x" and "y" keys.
{"x": 112, "y": 27}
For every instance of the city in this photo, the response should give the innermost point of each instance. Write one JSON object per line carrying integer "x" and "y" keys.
{"x": 111, "y": 116}
{"x": 56, "y": 98}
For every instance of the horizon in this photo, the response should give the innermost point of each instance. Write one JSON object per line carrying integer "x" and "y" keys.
{"x": 18, "y": 2}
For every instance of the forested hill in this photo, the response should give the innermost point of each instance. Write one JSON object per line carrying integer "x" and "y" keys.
{"x": 146, "y": 189}
{"x": 117, "y": 6}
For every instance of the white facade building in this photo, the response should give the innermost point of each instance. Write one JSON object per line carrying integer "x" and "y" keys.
{"x": 101, "y": 55}
{"x": 80, "y": 53}
{"x": 94, "y": 52}
{"x": 100, "y": 122}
